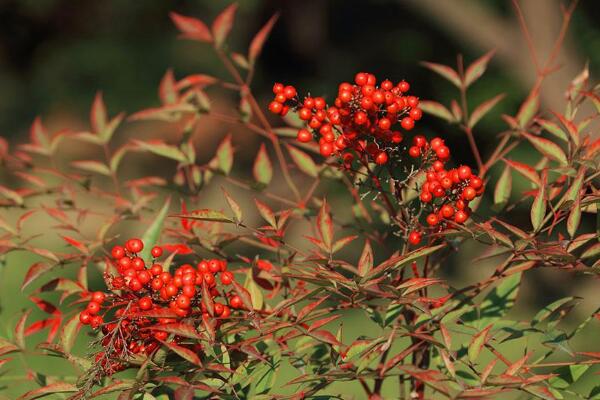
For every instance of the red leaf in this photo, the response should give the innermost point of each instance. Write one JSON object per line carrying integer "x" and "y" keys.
{"x": 199, "y": 80}
{"x": 325, "y": 226}
{"x": 34, "y": 272}
{"x": 326, "y": 337}
{"x": 45, "y": 306}
{"x": 223, "y": 23}
{"x": 184, "y": 353}
{"x": 192, "y": 28}
{"x": 306, "y": 310}
{"x": 166, "y": 90}
{"x": 259, "y": 40}
{"x": 525, "y": 170}
{"x": 75, "y": 243}
{"x": 180, "y": 248}
{"x": 98, "y": 114}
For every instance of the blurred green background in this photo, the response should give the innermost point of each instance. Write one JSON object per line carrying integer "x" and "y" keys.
{"x": 55, "y": 55}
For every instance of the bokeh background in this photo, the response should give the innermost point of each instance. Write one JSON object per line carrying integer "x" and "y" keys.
{"x": 56, "y": 54}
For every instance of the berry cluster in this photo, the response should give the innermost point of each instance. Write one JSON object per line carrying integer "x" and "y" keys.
{"x": 448, "y": 192}
{"x": 364, "y": 116}
{"x": 146, "y": 300}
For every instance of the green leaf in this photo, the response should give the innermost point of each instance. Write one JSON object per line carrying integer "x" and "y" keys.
{"x": 325, "y": 225}
{"x": 503, "y": 188}
{"x": 477, "y": 343}
{"x": 567, "y": 375}
{"x": 304, "y": 162}
{"x": 162, "y": 149}
{"x": 528, "y": 109}
{"x": 206, "y": 215}
{"x": 436, "y": 109}
{"x": 152, "y": 234}
{"x": 233, "y": 205}
{"x": 482, "y": 109}
{"x": 11, "y": 195}
{"x": 547, "y": 148}
{"x": 400, "y": 260}
{"x": 255, "y": 292}
{"x": 476, "y": 70}
{"x": 263, "y": 168}
{"x": 365, "y": 264}
{"x": 525, "y": 170}
{"x": 444, "y": 71}
{"x": 225, "y": 155}
{"x": 69, "y": 333}
{"x": 538, "y": 209}
{"x": 92, "y": 166}
{"x": 497, "y": 302}
{"x": 574, "y": 218}
{"x": 20, "y": 330}
{"x": 266, "y": 212}
{"x": 552, "y": 128}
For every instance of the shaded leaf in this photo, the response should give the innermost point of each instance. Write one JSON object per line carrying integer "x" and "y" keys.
{"x": 259, "y": 39}
{"x": 482, "y": 109}
{"x": 503, "y": 188}
{"x": 477, "y": 68}
{"x": 184, "y": 353}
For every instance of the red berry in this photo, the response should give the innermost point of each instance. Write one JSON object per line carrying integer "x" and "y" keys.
{"x": 134, "y": 245}
{"x": 226, "y": 278}
{"x": 464, "y": 172}
{"x": 460, "y": 217}
{"x": 361, "y": 79}
{"x": 156, "y": 269}
{"x": 156, "y": 284}
{"x": 326, "y": 149}
{"x": 85, "y": 317}
{"x": 384, "y": 123}
{"x": 419, "y": 141}
{"x": 304, "y": 136}
{"x": 98, "y": 297}
{"x": 226, "y": 312}
{"x": 171, "y": 290}
{"x": 183, "y": 301}
{"x": 469, "y": 193}
{"x": 144, "y": 277}
{"x": 381, "y": 158}
{"x": 432, "y": 219}
{"x": 436, "y": 143}
{"x": 414, "y": 238}
{"x": 426, "y": 197}
{"x": 447, "y": 211}
{"x": 277, "y": 88}
{"x": 476, "y": 182}
{"x": 118, "y": 252}
{"x": 96, "y": 321}
{"x": 156, "y": 251}
{"x": 236, "y": 302}
{"x": 93, "y": 307}
{"x": 443, "y": 152}
{"x": 145, "y": 303}
{"x": 275, "y": 107}
{"x": 407, "y": 123}
{"x": 135, "y": 285}
{"x": 414, "y": 151}
{"x": 289, "y": 92}
{"x": 416, "y": 114}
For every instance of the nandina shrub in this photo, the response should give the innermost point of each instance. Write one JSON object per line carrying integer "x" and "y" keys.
{"x": 153, "y": 294}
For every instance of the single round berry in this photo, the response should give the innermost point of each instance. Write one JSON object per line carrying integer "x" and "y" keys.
{"x": 469, "y": 193}
{"x": 98, "y": 297}
{"x": 304, "y": 135}
{"x": 289, "y": 92}
{"x": 432, "y": 219}
{"x": 156, "y": 251}
{"x": 275, "y": 107}
{"x": 414, "y": 238}
{"x": 93, "y": 307}
{"x": 460, "y": 217}
{"x": 381, "y": 158}
{"x": 134, "y": 246}
{"x": 464, "y": 172}
{"x": 85, "y": 317}
{"x": 236, "y": 302}
{"x": 226, "y": 278}
{"x": 407, "y": 123}
{"x": 145, "y": 303}
{"x": 118, "y": 252}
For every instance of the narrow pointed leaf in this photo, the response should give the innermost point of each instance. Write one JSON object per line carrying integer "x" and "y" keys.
{"x": 259, "y": 39}
{"x": 222, "y": 24}
{"x": 191, "y": 28}
{"x": 263, "y": 168}
{"x": 444, "y": 71}
{"x": 476, "y": 70}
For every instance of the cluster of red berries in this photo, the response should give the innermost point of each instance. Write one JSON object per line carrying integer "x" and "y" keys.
{"x": 151, "y": 298}
{"x": 364, "y": 116}
{"x": 448, "y": 192}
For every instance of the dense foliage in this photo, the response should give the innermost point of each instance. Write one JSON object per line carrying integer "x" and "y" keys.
{"x": 218, "y": 302}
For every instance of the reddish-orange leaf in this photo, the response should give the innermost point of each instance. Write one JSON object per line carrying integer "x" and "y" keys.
{"x": 326, "y": 337}
{"x": 98, "y": 114}
{"x": 223, "y": 23}
{"x": 76, "y": 243}
{"x": 259, "y": 40}
{"x": 34, "y": 272}
{"x": 191, "y": 28}
{"x": 445, "y": 71}
{"x": 525, "y": 170}
{"x": 199, "y": 80}
{"x": 325, "y": 225}
{"x": 306, "y": 310}
{"x": 166, "y": 89}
